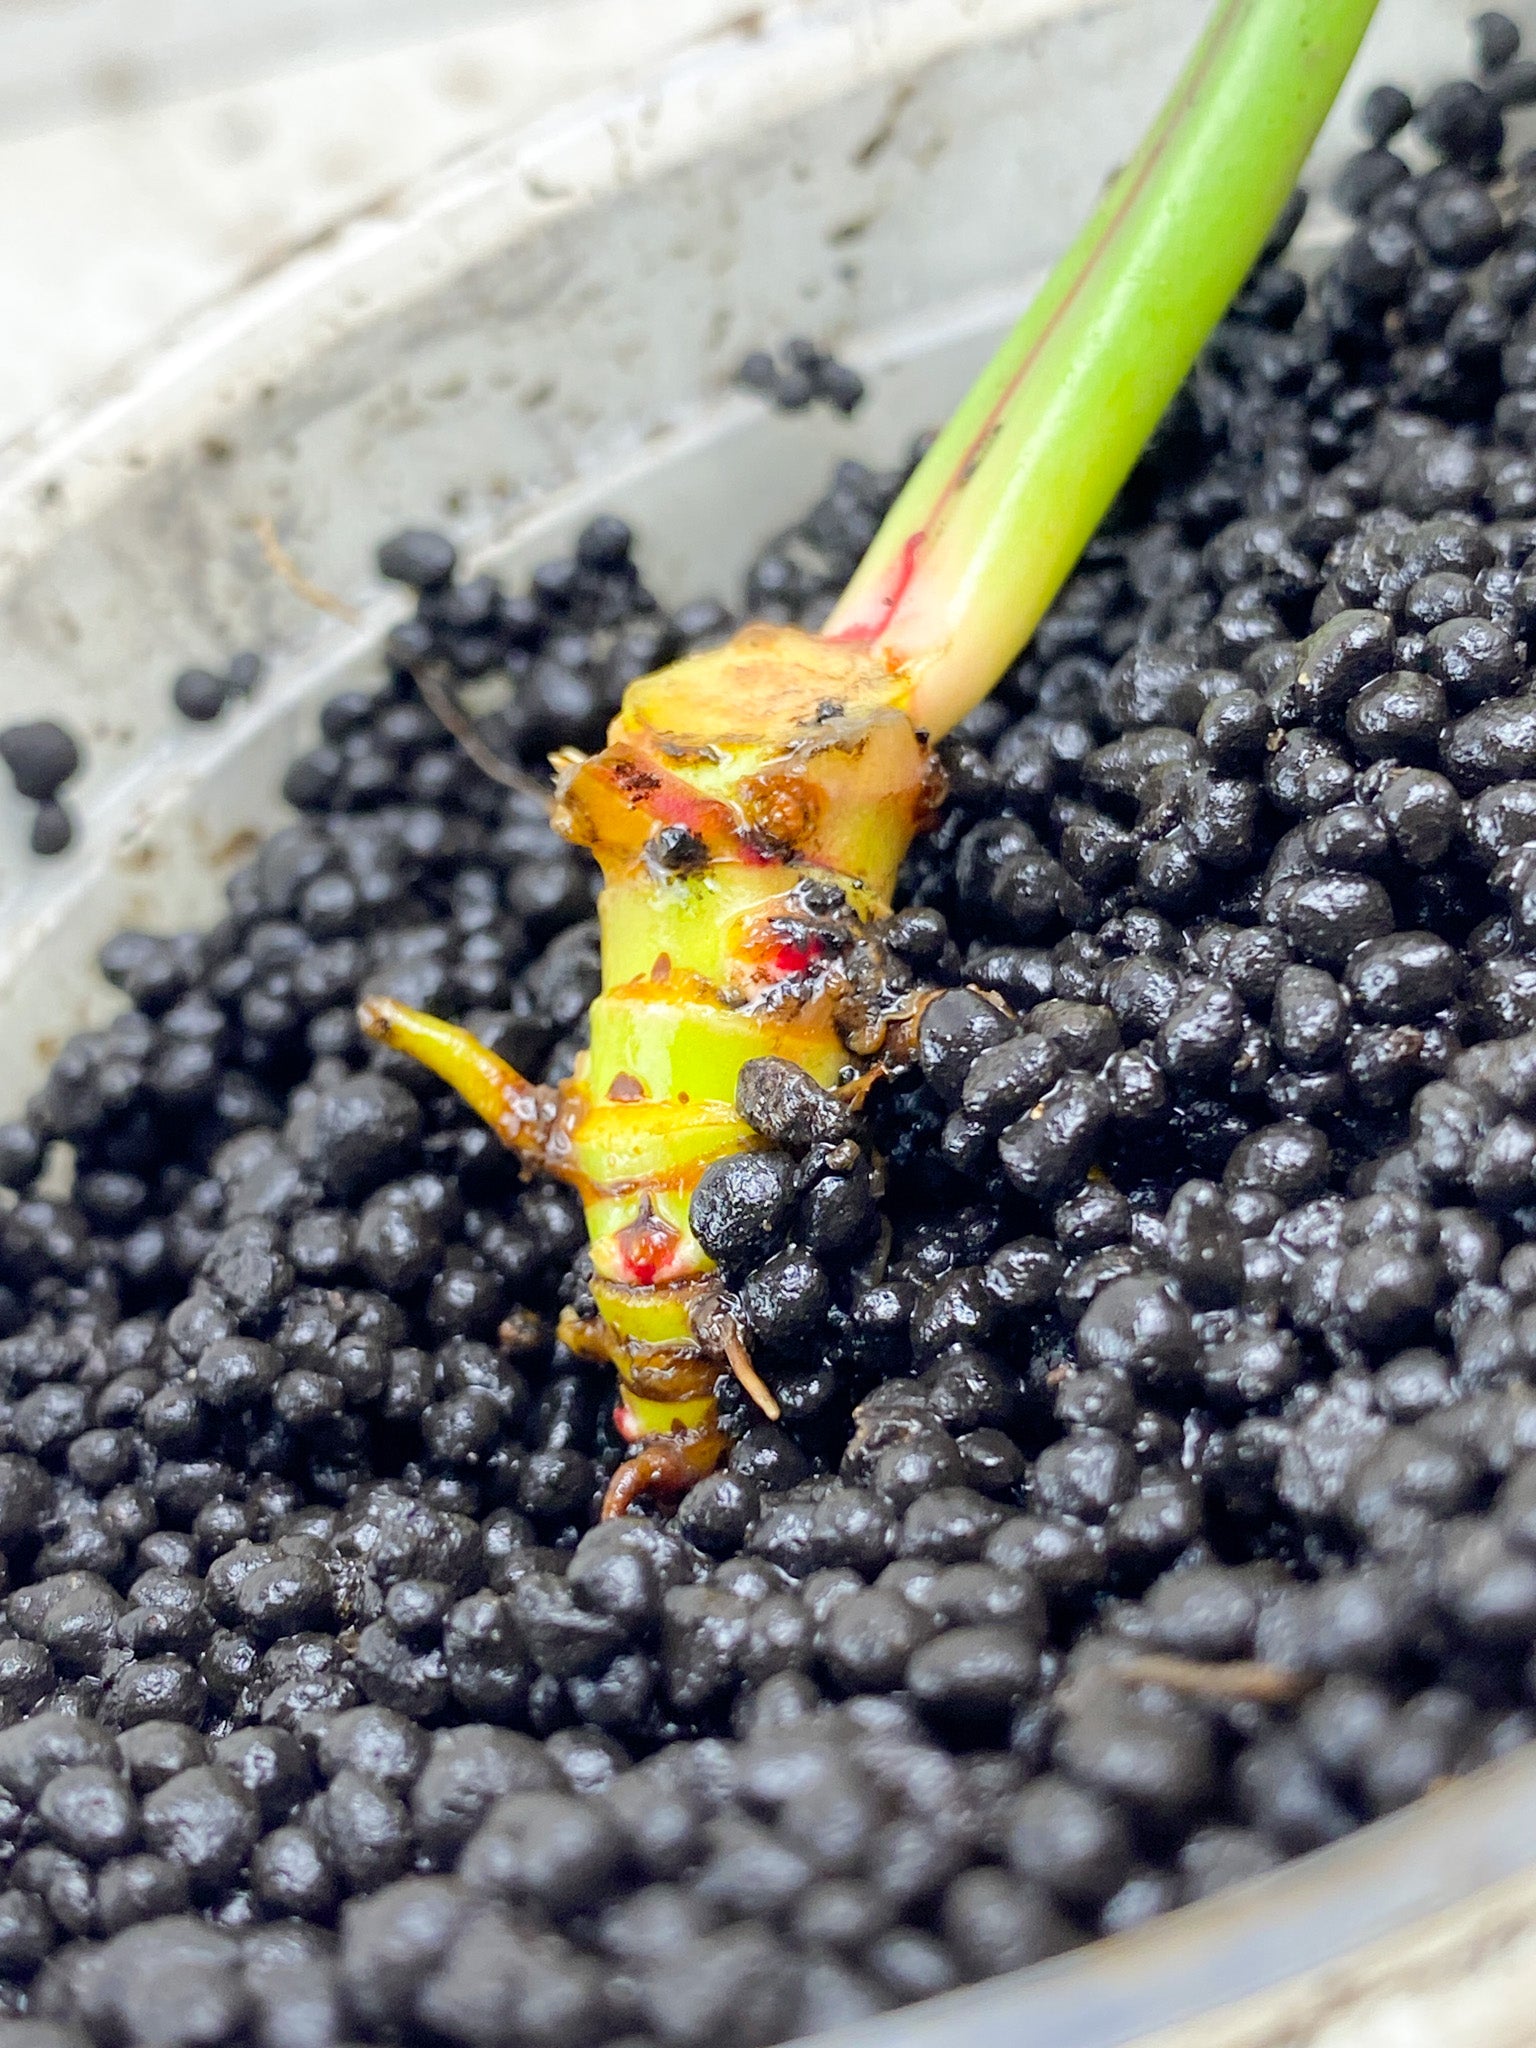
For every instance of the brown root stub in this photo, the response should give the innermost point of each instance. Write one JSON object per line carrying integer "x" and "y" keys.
{"x": 781, "y": 809}
{"x": 664, "y": 1467}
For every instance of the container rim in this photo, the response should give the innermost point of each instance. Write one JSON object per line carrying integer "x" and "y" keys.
{"x": 789, "y": 57}
{"x": 1319, "y": 1932}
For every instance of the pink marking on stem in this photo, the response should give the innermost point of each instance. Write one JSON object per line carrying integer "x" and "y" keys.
{"x": 900, "y": 574}
{"x": 888, "y": 602}
{"x": 794, "y": 956}
{"x": 647, "y": 1246}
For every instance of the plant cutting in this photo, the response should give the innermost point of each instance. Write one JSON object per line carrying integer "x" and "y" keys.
{"x": 753, "y": 804}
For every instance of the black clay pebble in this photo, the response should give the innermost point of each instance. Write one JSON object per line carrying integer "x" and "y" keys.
{"x": 41, "y": 757}
{"x": 199, "y": 694}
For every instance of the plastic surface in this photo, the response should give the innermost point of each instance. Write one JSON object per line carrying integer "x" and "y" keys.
{"x": 548, "y": 327}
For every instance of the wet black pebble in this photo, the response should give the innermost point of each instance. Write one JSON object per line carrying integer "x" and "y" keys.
{"x": 741, "y": 1204}
{"x": 781, "y": 1100}
{"x": 803, "y": 373}
{"x": 204, "y": 1820}
{"x": 1495, "y": 40}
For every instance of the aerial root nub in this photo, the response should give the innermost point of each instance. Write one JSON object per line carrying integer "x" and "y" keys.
{"x": 517, "y": 1110}
{"x": 719, "y": 1331}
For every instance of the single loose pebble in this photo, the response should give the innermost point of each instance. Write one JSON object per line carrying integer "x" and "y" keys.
{"x": 40, "y": 755}
{"x": 199, "y": 694}
{"x": 52, "y": 828}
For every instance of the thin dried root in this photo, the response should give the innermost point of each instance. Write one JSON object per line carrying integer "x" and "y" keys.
{"x": 287, "y": 570}
{"x": 432, "y": 680}
{"x": 1264, "y": 1685}
{"x": 720, "y": 1335}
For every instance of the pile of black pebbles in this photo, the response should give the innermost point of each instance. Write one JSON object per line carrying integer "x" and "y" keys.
{"x": 1156, "y": 1495}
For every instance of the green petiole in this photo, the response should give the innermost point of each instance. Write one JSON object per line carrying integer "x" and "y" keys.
{"x": 993, "y": 519}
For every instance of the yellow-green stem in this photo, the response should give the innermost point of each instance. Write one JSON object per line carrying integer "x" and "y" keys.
{"x": 993, "y": 519}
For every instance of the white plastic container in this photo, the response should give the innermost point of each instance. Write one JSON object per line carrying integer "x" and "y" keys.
{"x": 549, "y": 327}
